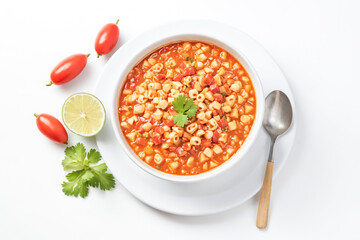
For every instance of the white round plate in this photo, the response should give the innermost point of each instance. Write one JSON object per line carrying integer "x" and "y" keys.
{"x": 217, "y": 194}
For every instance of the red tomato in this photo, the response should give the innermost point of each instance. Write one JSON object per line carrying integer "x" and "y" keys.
{"x": 214, "y": 88}
{"x": 159, "y": 130}
{"x": 140, "y": 141}
{"x": 170, "y": 123}
{"x": 172, "y": 111}
{"x": 222, "y": 124}
{"x": 189, "y": 71}
{"x": 186, "y": 146}
{"x": 216, "y": 136}
{"x": 51, "y": 128}
{"x": 206, "y": 143}
{"x": 172, "y": 149}
{"x": 219, "y": 98}
{"x": 180, "y": 152}
{"x": 193, "y": 152}
{"x": 156, "y": 139}
{"x": 209, "y": 79}
{"x": 107, "y": 38}
{"x": 161, "y": 77}
{"x": 178, "y": 77}
{"x": 68, "y": 69}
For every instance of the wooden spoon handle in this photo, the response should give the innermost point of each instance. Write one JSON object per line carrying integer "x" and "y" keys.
{"x": 263, "y": 209}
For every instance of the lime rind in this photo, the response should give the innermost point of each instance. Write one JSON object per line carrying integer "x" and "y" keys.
{"x": 72, "y": 120}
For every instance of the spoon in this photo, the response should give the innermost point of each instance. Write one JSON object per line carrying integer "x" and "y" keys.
{"x": 277, "y": 119}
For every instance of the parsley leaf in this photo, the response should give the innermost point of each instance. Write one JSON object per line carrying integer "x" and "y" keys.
{"x": 180, "y": 120}
{"x": 93, "y": 156}
{"x": 223, "y": 93}
{"x": 185, "y": 108}
{"x": 74, "y": 157}
{"x": 190, "y": 59}
{"x": 179, "y": 102}
{"x": 104, "y": 180}
{"x": 85, "y": 175}
{"x": 77, "y": 184}
{"x": 192, "y": 111}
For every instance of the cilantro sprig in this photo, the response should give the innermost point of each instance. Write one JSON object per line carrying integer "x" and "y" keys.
{"x": 85, "y": 175}
{"x": 185, "y": 109}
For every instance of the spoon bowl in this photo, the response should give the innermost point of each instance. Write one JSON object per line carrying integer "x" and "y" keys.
{"x": 278, "y": 113}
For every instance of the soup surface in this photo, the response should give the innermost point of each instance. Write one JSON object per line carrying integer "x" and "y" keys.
{"x": 187, "y": 107}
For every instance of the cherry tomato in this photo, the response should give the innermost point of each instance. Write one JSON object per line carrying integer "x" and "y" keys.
{"x": 51, "y": 128}
{"x": 68, "y": 69}
{"x": 107, "y": 38}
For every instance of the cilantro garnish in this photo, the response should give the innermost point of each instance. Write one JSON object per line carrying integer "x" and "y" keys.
{"x": 185, "y": 108}
{"x": 85, "y": 175}
{"x": 140, "y": 135}
{"x": 190, "y": 59}
{"x": 129, "y": 108}
{"x": 158, "y": 167}
{"x": 225, "y": 118}
{"x": 223, "y": 93}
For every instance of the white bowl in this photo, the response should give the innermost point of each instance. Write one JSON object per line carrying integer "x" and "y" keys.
{"x": 143, "y": 50}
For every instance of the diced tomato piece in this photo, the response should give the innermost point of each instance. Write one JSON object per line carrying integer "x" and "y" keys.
{"x": 141, "y": 130}
{"x": 193, "y": 152}
{"x": 159, "y": 130}
{"x": 172, "y": 149}
{"x": 180, "y": 152}
{"x": 156, "y": 124}
{"x": 138, "y": 125}
{"x": 215, "y": 112}
{"x": 189, "y": 71}
{"x": 221, "y": 113}
{"x": 186, "y": 146}
{"x": 222, "y": 124}
{"x": 178, "y": 77}
{"x": 202, "y": 126}
{"x": 216, "y": 136}
{"x": 219, "y": 98}
{"x": 140, "y": 141}
{"x": 164, "y": 50}
{"x": 156, "y": 139}
{"x": 182, "y": 65}
{"x": 172, "y": 111}
{"x": 143, "y": 120}
{"x": 214, "y": 88}
{"x": 170, "y": 123}
{"x": 209, "y": 79}
{"x": 161, "y": 76}
{"x": 206, "y": 143}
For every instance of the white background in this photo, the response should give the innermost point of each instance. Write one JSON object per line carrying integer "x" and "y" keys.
{"x": 317, "y": 193}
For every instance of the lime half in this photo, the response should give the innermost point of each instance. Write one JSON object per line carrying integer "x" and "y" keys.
{"x": 83, "y": 114}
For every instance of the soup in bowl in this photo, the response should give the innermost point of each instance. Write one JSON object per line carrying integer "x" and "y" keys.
{"x": 187, "y": 110}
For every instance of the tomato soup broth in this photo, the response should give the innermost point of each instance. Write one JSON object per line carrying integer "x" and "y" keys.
{"x": 216, "y": 116}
